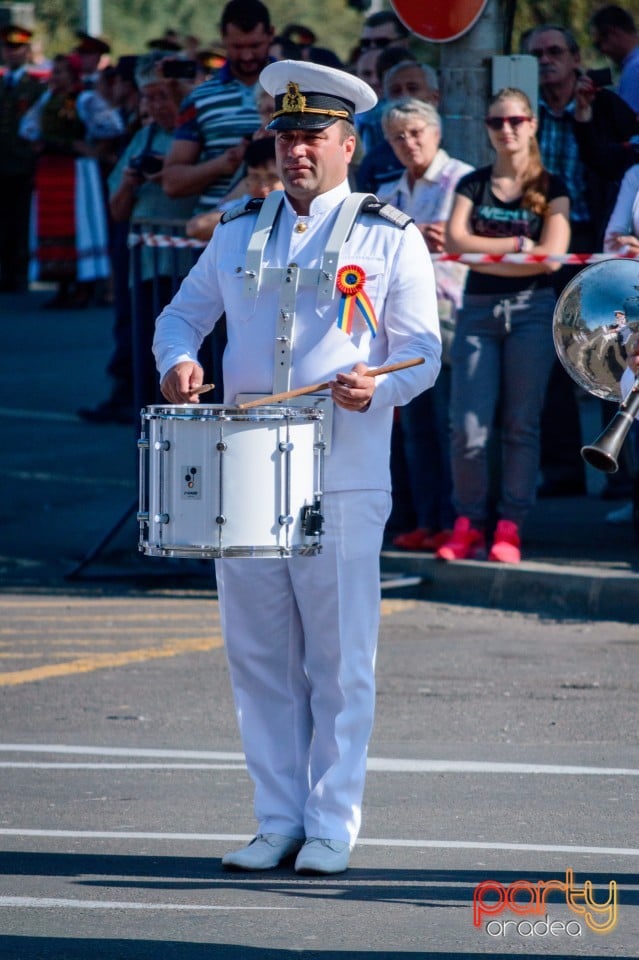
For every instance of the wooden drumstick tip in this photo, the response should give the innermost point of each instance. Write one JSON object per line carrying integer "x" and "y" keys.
{"x": 203, "y": 388}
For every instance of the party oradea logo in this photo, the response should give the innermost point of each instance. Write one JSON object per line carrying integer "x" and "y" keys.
{"x": 494, "y": 901}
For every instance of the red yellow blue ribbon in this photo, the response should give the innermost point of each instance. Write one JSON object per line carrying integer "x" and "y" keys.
{"x": 350, "y": 283}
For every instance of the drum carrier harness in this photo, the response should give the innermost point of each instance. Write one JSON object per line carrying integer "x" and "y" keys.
{"x": 257, "y": 277}
{"x": 289, "y": 279}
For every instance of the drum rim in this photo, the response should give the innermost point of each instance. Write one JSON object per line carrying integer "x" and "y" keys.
{"x": 246, "y": 551}
{"x": 228, "y": 412}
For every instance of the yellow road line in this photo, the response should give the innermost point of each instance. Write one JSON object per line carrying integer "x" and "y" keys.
{"x": 397, "y": 606}
{"x": 103, "y": 661}
{"x": 102, "y": 620}
{"x": 108, "y": 660}
{"x": 38, "y": 603}
{"x": 101, "y": 632}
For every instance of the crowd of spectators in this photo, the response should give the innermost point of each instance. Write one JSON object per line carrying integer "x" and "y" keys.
{"x": 179, "y": 133}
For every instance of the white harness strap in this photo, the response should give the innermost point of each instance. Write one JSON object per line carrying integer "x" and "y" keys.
{"x": 289, "y": 279}
{"x": 339, "y": 235}
{"x": 285, "y": 328}
{"x": 259, "y": 238}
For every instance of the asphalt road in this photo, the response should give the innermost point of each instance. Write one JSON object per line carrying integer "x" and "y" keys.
{"x": 505, "y": 749}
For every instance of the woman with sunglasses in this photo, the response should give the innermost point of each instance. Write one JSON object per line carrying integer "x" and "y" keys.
{"x": 503, "y": 349}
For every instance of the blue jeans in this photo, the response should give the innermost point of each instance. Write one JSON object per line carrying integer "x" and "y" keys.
{"x": 501, "y": 359}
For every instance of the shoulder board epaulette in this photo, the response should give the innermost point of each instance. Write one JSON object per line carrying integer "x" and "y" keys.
{"x": 253, "y": 206}
{"x": 388, "y": 212}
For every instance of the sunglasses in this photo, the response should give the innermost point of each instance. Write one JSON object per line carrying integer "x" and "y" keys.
{"x": 553, "y": 51}
{"x": 496, "y": 123}
{"x": 369, "y": 43}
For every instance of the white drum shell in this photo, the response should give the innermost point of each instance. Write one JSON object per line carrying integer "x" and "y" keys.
{"x": 220, "y": 481}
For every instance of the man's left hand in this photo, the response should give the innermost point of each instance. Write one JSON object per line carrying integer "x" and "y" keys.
{"x": 354, "y": 390}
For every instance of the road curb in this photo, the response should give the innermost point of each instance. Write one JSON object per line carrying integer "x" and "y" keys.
{"x": 572, "y": 592}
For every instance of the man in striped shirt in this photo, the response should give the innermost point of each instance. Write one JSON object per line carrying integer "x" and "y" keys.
{"x": 218, "y": 117}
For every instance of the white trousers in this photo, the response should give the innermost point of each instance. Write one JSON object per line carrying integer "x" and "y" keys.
{"x": 301, "y": 639}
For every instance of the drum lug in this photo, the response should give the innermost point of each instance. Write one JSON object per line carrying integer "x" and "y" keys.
{"x": 161, "y": 518}
{"x": 285, "y": 521}
{"x": 162, "y": 445}
{"x": 143, "y": 443}
{"x": 312, "y": 519}
{"x": 221, "y": 446}
{"x": 143, "y": 516}
{"x": 220, "y": 520}
{"x": 285, "y": 446}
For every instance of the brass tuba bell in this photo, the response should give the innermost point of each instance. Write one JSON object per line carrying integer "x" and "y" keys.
{"x": 595, "y": 315}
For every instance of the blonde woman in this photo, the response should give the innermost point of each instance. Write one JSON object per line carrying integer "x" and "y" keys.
{"x": 503, "y": 348}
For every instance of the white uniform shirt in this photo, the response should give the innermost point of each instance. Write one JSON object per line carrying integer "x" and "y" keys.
{"x": 624, "y": 219}
{"x": 430, "y": 201}
{"x": 399, "y": 282}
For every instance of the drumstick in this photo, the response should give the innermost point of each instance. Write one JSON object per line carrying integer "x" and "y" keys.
{"x": 204, "y": 388}
{"x": 316, "y": 387}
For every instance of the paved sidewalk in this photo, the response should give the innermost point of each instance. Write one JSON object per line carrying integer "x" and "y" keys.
{"x": 68, "y": 485}
{"x": 575, "y": 565}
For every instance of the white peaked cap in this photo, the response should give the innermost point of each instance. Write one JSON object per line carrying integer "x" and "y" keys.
{"x": 310, "y": 96}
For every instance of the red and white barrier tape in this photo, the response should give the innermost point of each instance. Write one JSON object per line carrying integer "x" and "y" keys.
{"x": 162, "y": 240}
{"x": 580, "y": 259}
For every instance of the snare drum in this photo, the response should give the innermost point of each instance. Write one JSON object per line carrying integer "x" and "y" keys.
{"x": 218, "y": 481}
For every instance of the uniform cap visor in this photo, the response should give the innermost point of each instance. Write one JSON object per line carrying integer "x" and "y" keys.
{"x": 301, "y": 121}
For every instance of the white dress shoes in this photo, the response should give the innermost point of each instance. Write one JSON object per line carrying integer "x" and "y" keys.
{"x": 323, "y": 856}
{"x": 265, "y": 852}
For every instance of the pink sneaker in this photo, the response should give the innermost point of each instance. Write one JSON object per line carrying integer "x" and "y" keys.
{"x": 506, "y": 543}
{"x": 465, "y": 543}
{"x": 413, "y": 540}
{"x": 422, "y": 539}
{"x": 437, "y": 540}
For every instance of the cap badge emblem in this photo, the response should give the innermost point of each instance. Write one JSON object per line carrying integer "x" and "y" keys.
{"x": 293, "y": 101}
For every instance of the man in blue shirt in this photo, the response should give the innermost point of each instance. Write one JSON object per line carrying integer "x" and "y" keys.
{"x": 614, "y": 34}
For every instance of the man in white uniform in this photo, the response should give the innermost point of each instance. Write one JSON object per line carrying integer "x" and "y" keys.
{"x": 301, "y": 632}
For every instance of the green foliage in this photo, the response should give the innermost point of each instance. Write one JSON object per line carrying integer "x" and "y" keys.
{"x": 129, "y": 24}
{"x": 573, "y": 14}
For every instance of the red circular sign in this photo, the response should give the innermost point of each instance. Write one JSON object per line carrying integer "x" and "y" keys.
{"x": 439, "y": 22}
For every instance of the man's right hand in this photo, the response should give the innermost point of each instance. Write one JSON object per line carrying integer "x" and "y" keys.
{"x": 227, "y": 163}
{"x": 585, "y": 92}
{"x": 184, "y": 175}
{"x": 181, "y": 381}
